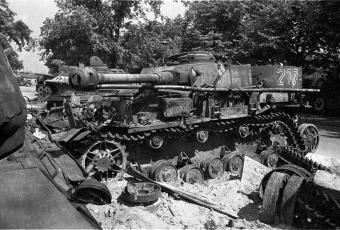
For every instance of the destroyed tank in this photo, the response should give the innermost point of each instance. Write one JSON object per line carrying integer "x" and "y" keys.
{"x": 55, "y": 89}
{"x": 194, "y": 117}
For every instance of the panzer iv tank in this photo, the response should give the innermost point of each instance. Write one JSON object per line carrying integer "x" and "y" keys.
{"x": 194, "y": 117}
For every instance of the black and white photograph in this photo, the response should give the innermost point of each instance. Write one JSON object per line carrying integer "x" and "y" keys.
{"x": 173, "y": 114}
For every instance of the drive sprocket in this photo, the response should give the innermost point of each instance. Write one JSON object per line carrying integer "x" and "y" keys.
{"x": 104, "y": 159}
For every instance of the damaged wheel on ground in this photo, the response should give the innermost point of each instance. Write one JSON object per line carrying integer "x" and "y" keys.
{"x": 104, "y": 159}
{"x": 272, "y": 196}
{"x": 269, "y": 158}
{"x": 310, "y": 136}
{"x": 213, "y": 167}
{"x": 141, "y": 193}
{"x": 164, "y": 171}
{"x": 233, "y": 162}
{"x": 192, "y": 174}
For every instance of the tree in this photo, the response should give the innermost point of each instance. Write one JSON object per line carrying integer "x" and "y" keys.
{"x": 215, "y": 26}
{"x": 150, "y": 43}
{"x": 318, "y": 36}
{"x": 82, "y": 28}
{"x": 301, "y": 33}
{"x": 12, "y": 31}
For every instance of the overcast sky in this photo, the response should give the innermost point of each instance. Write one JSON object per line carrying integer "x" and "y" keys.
{"x": 34, "y": 12}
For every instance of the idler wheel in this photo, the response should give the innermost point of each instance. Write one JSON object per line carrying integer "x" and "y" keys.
{"x": 310, "y": 136}
{"x": 244, "y": 131}
{"x": 212, "y": 167}
{"x": 104, "y": 159}
{"x": 164, "y": 171}
{"x": 269, "y": 158}
{"x": 202, "y": 136}
{"x": 156, "y": 141}
{"x": 319, "y": 104}
{"x": 233, "y": 162}
{"x": 192, "y": 174}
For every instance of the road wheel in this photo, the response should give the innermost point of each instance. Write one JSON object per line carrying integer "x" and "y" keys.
{"x": 319, "y": 104}
{"x": 272, "y": 195}
{"x": 44, "y": 92}
{"x": 289, "y": 196}
{"x": 164, "y": 171}
{"x": 310, "y": 136}
{"x": 233, "y": 163}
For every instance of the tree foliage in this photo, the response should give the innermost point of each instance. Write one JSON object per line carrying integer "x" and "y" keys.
{"x": 148, "y": 44}
{"x": 300, "y": 33}
{"x": 12, "y": 31}
{"x": 82, "y": 28}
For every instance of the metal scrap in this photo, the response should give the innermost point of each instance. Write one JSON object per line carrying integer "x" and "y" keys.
{"x": 141, "y": 192}
{"x": 185, "y": 195}
{"x": 292, "y": 196}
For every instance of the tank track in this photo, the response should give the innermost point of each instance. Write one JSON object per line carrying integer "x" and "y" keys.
{"x": 315, "y": 208}
{"x": 217, "y": 127}
{"x": 308, "y": 213}
{"x": 222, "y": 127}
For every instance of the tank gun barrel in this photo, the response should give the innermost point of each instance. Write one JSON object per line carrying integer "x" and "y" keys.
{"x": 195, "y": 89}
{"x": 90, "y": 78}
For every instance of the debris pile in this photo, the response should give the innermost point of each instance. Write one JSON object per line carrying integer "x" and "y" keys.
{"x": 171, "y": 212}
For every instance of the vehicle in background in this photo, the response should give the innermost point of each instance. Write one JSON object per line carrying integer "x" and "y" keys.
{"x": 328, "y": 99}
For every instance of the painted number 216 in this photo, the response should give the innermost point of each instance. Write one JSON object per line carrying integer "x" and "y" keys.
{"x": 290, "y": 74}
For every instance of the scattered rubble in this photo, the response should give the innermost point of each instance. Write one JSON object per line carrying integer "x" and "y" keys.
{"x": 169, "y": 212}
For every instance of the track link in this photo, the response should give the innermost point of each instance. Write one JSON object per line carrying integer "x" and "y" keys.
{"x": 223, "y": 127}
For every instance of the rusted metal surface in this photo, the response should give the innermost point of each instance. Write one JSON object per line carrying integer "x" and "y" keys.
{"x": 277, "y": 76}
{"x": 174, "y": 107}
